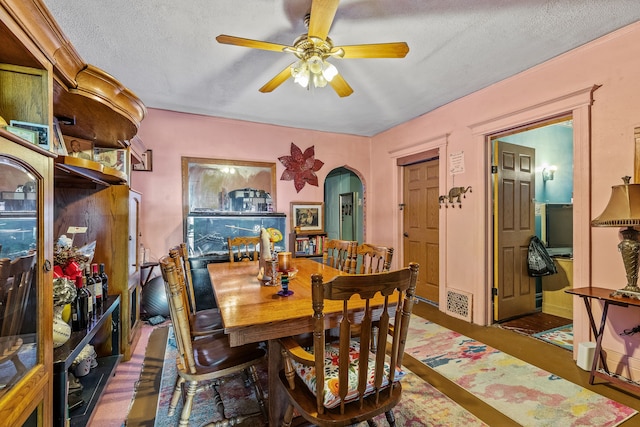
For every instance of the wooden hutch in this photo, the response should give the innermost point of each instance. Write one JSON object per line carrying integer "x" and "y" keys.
{"x": 42, "y": 77}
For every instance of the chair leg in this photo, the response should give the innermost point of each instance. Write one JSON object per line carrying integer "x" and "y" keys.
{"x": 217, "y": 399}
{"x": 371, "y": 423}
{"x": 375, "y": 332}
{"x": 391, "y": 419}
{"x": 288, "y": 416}
{"x": 255, "y": 380}
{"x": 188, "y": 403}
{"x": 176, "y": 396}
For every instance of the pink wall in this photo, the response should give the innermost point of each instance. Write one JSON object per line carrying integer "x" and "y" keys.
{"x": 613, "y": 62}
{"x": 173, "y": 135}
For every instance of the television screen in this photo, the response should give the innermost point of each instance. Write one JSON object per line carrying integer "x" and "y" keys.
{"x": 559, "y": 225}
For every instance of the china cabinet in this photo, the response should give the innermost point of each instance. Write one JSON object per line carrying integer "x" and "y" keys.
{"x": 42, "y": 195}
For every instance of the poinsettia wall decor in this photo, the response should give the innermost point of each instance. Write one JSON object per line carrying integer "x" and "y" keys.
{"x": 301, "y": 167}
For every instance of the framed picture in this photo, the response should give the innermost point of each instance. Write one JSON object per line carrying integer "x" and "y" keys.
{"x": 225, "y": 186}
{"x": 25, "y": 134}
{"x": 111, "y": 157}
{"x": 146, "y": 164}
{"x": 41, "y": 130}
{"x": 58, "y": 146}
{"x": 80, "y": 148}
{"x": 309, "y": 216}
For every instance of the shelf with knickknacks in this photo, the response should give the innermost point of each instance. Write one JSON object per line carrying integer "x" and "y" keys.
{"x": 453, "y": 197}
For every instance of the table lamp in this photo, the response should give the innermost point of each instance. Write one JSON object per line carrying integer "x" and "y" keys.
{"x": 623, "y": 210}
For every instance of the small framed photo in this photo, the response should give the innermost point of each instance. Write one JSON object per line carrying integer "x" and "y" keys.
{"x": 26, "y": 134}
{"x": 80, "y": 148}
{"x": 41, "y": 130}
{"x": 57, "y": 139}
{"x": 111, "y": 157}
{"x": 308, "y": 216}
{"x": 146, "y": 164}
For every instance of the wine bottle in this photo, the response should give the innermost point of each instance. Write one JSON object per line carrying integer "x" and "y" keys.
{"x": 89, "y": 300}
{"x": 97, "y": 285}
{"x": 79, "y": 308}
{"x": 90, "y": 285}
{"x": 105, "y": 282}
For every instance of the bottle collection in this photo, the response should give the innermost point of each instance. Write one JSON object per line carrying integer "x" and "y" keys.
{"x": 92, "y": 291}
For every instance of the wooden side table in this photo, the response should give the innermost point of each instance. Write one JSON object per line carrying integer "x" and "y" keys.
{"x": 604, "y": 295}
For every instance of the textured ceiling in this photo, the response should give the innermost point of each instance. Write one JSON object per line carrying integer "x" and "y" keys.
{"x": 165, "y": 51}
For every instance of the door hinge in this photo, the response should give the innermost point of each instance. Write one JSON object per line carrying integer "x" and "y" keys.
{"x": 494, "y": 292}
{"x": 494, "y": 169}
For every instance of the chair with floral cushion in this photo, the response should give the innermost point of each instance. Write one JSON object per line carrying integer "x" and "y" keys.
{"x": 339, "y": 383}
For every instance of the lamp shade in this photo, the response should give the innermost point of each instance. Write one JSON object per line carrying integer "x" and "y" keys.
{"x": 623, "y": 209}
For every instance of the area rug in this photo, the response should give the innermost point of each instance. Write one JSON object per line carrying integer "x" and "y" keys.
{"x": 421, "y": 403}
{"x": 561, "y": 336}
{"x": 528, "y": 395}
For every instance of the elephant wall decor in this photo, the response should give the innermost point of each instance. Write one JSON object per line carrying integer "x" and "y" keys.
{"x": 455, "y": 193}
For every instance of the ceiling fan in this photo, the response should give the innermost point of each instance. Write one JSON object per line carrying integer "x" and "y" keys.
{"x": 314, "y": 48}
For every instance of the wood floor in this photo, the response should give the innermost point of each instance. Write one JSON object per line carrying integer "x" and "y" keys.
{"x": 534, "y": 323}
{"x": 546, "y": 356}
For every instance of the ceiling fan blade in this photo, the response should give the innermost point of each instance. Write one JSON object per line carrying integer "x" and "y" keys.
{"x": 379, "y": 50}
{"x": 322, "y": 14}
{"x": 340, "y": 85}
{"x": 280, "y": 78}
{"x": 254, "y": 44}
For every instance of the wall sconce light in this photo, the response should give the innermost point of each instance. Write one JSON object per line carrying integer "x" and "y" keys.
{"x": 548, "y": 172}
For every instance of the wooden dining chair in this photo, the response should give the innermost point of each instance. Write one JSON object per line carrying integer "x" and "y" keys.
{"x": 340, "y": 254}
{"x": 373, "y": 258}
{"x": 16, "y": 277}
{"x": 207, "y": 359}
{"x": 243, "y": 248}
{"x": 203, "y": 322}
{"x": 339, "y": 383}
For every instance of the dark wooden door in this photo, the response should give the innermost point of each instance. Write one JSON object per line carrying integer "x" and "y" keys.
{"x": 421, "y": 225}
{"x": 514, "y": 190}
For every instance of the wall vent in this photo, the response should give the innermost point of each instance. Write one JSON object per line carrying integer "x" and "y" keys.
{"x": 459, "y": 304}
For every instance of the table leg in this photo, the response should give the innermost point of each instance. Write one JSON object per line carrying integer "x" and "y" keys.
{"x": 277, "y": 397}
{"x": 598, "y": 354}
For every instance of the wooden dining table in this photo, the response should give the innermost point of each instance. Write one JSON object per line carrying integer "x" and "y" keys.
{"x": 252, "y": 312}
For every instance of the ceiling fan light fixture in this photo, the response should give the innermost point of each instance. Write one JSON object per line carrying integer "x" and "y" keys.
{"x": 329, "y": 71}
{"x": 319, "y": 80}
{"x": 300, "y": 73}
{"x": 315, "y": 64}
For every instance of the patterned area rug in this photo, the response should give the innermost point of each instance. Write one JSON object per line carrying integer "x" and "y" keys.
{"x": 420, "y": 401}
{"x": 528, "y": 395}
{"x": 561, "y": 336}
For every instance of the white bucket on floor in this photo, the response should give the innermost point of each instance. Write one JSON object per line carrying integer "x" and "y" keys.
{"x": 586, "y": 352}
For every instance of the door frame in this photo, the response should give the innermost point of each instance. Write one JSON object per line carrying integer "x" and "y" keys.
{"x": 578, "y": 105}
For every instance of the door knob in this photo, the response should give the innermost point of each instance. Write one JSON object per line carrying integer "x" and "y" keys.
{"x": 405, "y": 234}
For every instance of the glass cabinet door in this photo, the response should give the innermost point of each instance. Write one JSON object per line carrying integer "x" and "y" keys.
{"x": 18, "y": 258}
{"x": 26, "y": 302}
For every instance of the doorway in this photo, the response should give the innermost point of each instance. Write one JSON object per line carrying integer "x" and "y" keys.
{"x": 532, "y": 200}
{"x": 421, "y": 225}
{"x": 344, "y": 205}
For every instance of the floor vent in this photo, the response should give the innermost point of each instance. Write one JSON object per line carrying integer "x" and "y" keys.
{"x": 459, "y": 304}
